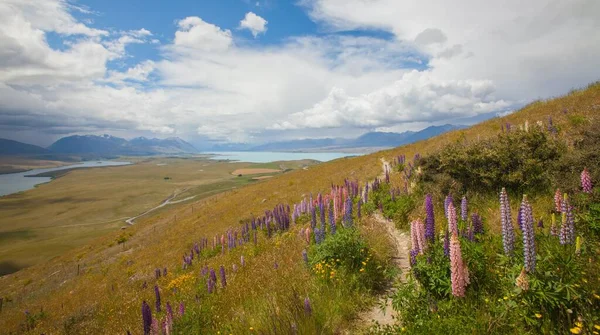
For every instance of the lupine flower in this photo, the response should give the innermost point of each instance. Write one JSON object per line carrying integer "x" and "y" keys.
{"x": 586, "y": 181}
{"x": 154, "y": 328}
{"x": 567, "y": 227}
{"x": 169, "y": 319}
{"x": 307, "y": 307}
{"x": 463, "y": 209}
{"x": 332, "y": 225}
{"x": 317, "y": 236}
{"x": 164, "y": 272}
{"x": 452, "y": 220}
{"x": 234, "y": 268}
{"x": 157, "y": 273}
{"x": 522, "y": 281}
{"x": 157, "y": 293}
{"x": 181, "y": 309}
{"x": 429, "y": 219}
{"x": 305, "y": 256}
{"x": 457, "y": 267}
{"x": 447, "y": 202}
{"x": 557, "y": 200}
{"x": 446, "y": 243}
{"x": 348, "y": 214}
{"x": 508, "y": 234}
{"x": 358, "y": 205}
{"x": 313, "y": 218}
{"x": 307, "y": 234}
{"x": 210, "y": 285}
{"x": 417, "y": 232}
{"x": 146, "y": 317}
{"x": 223, "y": 279}
{"x": 413, "y": 257}
{"x": 477, "y": 223}
{"x": 553, "y": 229}
{"x": 528, "y": 235}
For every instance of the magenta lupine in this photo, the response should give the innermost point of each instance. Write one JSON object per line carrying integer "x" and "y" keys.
{"x": 528, "y": 235}
{"x": 508, "y": 233}
{"x": 452, "y": 219}
{"x": 557, "y": 200}
{"x": 457, "y": 268}
{"x": 157, "y": 293}
{"x": 429, "y": 219}
{"x": 417, "y": 233}
{"x": 169, "y": 319}
{"x": 223, "y": 279}
{"x": 586, "y": 181}
{"x": 413, "y": 237}
{"x": 307, "y": 306}
{"x": 146, "y": 318}
{"x": 463, "y": 209}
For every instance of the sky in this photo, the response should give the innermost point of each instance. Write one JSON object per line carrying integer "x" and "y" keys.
{"x": 218, "y": 71}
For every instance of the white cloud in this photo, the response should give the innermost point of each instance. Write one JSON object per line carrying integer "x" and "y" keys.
{"x": 254, "y": 23}
{"x": 416, "y": 97}
{"x": 475, "y": 58}
{"x": 196, "y": 34}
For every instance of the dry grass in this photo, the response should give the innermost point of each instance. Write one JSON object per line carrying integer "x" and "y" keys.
{"x": 106, "y": 297}
{"x": 13, "y": 164}
{"x": 253, "y": 171}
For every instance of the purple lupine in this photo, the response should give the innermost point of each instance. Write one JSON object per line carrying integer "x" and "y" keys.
{"x": 477, "y": 223}
{"x": 223, "y": 279}
{"x": 528, "y": 235}
{"x": 508, "y": 234}
{"x": 181, "y": 308}
{"x": 358, "y": 205}
{"x": 348, "y": 214}
{"x": 447, "y": 202}
{"x": 463, "y": 209}
{"x": 146, "y": 317}
{"x": 332, "y": 224}
{"x": 164, "y": 272}
{"x": 169, "y": 310}
{"x": 213, "y": 278}
{"x": 520, "y": 218}
{"x": 557, "y": 201}
{"x": 157, "y": 273}
{"x": 210, "y": 285}
{"x": 567, "y": 228}
{"x": 307, "y": 307}
{"x": 318, "y": 236}
{"x": 586, "y": 181}
{"x": 447, "y": 243}
{"x": 157, "y": 293}
{"x": 429, "y": 219}
{"x": 540, "y": 223}
{"x": 305, "y": 256}
{"x": 413, "y": 257}
{"x": 313, "y": 217}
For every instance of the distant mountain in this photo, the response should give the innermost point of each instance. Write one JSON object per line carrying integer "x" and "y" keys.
{"x": 10, "y": 147}
{"x": 111, "y": 145}
{"x": 368, "y": 140}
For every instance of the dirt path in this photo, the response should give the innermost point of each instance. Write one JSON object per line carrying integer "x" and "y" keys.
{"x": 382, "y": 313}
{"x": 168, "y": 201}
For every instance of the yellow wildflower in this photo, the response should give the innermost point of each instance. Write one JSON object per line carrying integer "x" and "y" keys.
{"x": 505, "y": 298}
{"x": 363, "y": 263}
{"x": 362, "y": 270}
{"x": 538, "y": 315}
{"x": 575, "y": 330}
{"x": 596, "y": 296}
{"x": 251, "y": 329}
{"x": 597, "y": 327}
{"x": 579, "y": 324}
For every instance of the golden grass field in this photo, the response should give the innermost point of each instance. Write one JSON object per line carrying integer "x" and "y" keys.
{"x": 105, "y": 297}
{"x": 76, "y": 208}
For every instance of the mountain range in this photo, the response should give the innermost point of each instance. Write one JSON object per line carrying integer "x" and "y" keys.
{"x": 107, "y": 145}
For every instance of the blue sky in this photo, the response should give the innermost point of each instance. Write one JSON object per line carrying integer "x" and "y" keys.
{"x": 254, "y": 72}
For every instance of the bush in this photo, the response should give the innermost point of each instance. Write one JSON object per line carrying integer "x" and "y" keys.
{"x": 518, "y": 160}
{"x": 346, "y": 255}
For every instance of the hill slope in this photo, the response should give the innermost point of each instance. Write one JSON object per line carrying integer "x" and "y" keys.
{"x": 10, "y": 147}
{"x": 99, "y": 289}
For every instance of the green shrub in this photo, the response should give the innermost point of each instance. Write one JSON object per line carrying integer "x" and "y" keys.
{"x": 346, "y": 255}
{"x": 517, "y": 160}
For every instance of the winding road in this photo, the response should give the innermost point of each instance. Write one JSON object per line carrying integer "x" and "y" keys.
{"x": 168, "y": 201}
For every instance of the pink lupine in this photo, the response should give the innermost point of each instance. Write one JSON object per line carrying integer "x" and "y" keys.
{"x": 586, "y": 181}
{"x": 452, "y": 219}
{"x": 557, "y": 200}
{"x": 457, "y": 268}
{"x": 307, "y": 234}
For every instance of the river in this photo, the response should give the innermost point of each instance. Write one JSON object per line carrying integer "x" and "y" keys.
{"x": 17, "y": 182}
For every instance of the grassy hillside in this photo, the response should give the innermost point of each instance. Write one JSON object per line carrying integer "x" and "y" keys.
{"x": 99, "y": 288}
